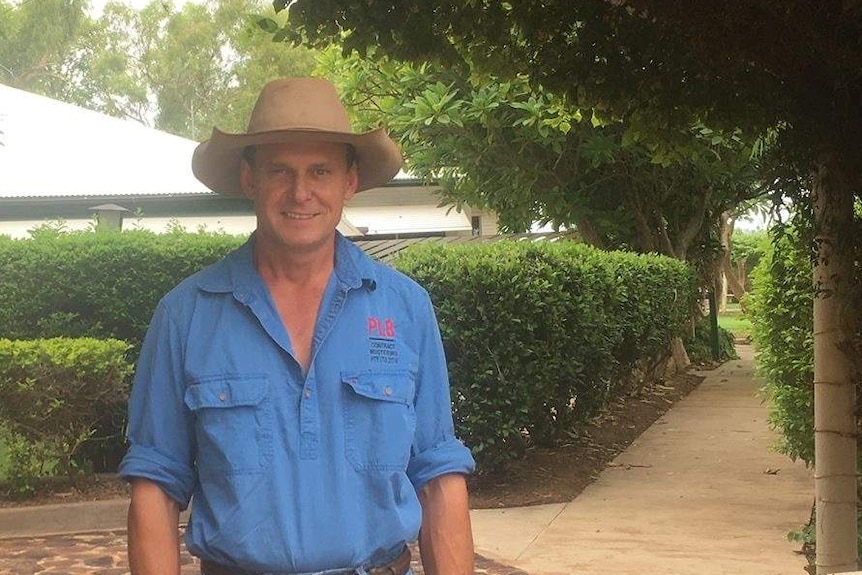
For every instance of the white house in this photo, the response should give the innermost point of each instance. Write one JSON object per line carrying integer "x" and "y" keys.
{"x": 59, "y": 162}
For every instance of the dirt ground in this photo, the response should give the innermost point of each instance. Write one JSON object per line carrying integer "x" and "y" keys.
{"x": 543, "y": 476}
{"x": 559, "y": 474}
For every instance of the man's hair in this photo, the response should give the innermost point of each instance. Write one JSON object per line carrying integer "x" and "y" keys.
{"x": 249, "y": 153}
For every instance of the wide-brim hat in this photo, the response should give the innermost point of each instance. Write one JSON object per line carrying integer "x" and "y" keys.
{"x": 295, "y": 110}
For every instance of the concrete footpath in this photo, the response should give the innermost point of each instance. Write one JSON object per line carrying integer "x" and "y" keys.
{"x": 698, "y": 493}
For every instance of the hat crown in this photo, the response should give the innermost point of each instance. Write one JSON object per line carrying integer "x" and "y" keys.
{"x": 299, "y": 103}
{"x": 295, "y": 110}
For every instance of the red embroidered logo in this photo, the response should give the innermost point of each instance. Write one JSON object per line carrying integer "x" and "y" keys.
{"x": 382, "y": 328}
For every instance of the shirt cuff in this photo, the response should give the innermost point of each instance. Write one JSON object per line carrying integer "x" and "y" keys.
{"x": 449, "y": 457}
{"x": 176, "y": 480}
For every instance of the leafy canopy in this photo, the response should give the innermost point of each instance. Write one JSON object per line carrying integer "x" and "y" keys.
{"x": 661, "y": 65}
{"x": 530, "y": 154}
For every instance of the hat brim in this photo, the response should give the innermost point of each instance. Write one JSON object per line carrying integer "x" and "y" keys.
{"x": 216, "y": 161}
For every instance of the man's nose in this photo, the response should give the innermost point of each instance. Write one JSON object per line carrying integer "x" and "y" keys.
{"x": 301, "y": 189}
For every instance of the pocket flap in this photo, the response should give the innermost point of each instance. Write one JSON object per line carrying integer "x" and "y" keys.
{"x": 246, "y": 390}
{"x": 396, "y": 386}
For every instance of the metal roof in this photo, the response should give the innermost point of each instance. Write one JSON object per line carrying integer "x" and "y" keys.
{"x": 50, "y": 148}
{"x": 386, "y": 250}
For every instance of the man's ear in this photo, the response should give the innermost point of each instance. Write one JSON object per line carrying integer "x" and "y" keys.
{"x": 352, "y": 182}
{"x": 246, "y": 179}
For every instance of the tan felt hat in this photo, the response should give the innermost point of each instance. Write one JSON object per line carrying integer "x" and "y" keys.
{"x": 295, "y": 110}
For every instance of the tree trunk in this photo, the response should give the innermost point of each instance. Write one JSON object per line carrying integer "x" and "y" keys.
{"x": 835, "y": 475}
{"x": 725, "y": 229}
{"x": 735, "y": 284}
{"x": 590, "y": 233}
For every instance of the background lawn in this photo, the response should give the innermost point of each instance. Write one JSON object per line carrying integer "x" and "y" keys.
{"x": 734, "y": 321}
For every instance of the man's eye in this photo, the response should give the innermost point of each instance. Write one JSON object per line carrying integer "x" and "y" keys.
{"x": 321, "y": 171}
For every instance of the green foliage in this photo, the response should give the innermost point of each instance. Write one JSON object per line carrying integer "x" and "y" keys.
{"x": 539, "y": 336}
{"x": 699, "y": 345}
{"x": 53, "y": 394}
{"x": 4, "y": 452}
{"x": 26, "y": 463}
{"x": 534, "y": 155}
{"x": 38, "y": 41}
{"x": 658, "y": 66}
{"x": 202, "y": 65}
{"x": 103, "y": 285}
{"x": 806, "y": 535}
{"x": 781, "y": 310}
{"x": 748, "y": 247}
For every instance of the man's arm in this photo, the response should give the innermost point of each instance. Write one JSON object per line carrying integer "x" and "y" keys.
{"x": 154, "y": 541}
{"x": 446, "y": 539}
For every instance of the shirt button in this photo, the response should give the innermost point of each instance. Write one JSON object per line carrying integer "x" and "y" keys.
{"x": 307, "y": 393}
{"x": 387, "y": 391}
{"x": 222, "y": 397}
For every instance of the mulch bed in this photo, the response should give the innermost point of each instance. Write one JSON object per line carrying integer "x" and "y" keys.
{"x": 544, "y": 475}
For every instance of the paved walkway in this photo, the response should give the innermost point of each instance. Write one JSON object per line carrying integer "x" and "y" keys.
{"x": 699, "y": 493}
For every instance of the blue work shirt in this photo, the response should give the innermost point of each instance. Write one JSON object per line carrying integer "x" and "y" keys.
{"x": 291, "y": 472}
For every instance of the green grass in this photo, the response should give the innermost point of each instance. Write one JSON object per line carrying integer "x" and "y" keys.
{"x": 736, "y": 323}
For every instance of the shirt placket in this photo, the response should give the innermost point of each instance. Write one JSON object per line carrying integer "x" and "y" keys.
{"x": 309, "y": 407}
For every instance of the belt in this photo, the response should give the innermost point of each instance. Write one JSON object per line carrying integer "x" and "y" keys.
{"x": 399, "y": 566}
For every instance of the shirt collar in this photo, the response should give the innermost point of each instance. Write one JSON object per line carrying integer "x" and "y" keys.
{"x": 352, "y": 267}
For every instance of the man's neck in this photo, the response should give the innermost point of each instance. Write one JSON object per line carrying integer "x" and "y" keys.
{"x": 294, "y": 268}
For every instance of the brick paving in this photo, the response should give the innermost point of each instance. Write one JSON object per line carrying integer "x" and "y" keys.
{"x": 104, "y": 553}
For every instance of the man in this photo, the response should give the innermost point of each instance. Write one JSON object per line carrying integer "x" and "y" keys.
{"x": 296, "y": 391}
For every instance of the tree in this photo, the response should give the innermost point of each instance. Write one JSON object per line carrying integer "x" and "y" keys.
{"x": 529, "y": 155}
{"x": 181, "y": 71}
{"x": 37, "y": 43}
{"x": 203, "y": 65}
{"x": 795, "y": 66}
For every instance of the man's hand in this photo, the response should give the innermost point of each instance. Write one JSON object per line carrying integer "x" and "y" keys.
{"x": 154, "y": 541}
{"x": 446, "y": 539}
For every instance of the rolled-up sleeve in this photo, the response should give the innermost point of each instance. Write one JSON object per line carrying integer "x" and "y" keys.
{"x": 436, "y": 451}
{"x": 160, "y": 432}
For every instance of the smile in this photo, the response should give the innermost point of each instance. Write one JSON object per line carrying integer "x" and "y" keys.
{"x": 295, "y": 216}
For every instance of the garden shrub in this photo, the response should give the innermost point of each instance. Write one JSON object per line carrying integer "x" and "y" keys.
{"x": 748, "y": 247}
{"x": 781, "y": 306}
{"x": 538, "y": 335}
{"x": 53, "y": 394}
{"x": 104, "y": 284}
{"x": 699, "y": 344}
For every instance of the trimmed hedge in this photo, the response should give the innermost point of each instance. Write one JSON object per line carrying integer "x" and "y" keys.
{"x": 538, "y": 336}
{"x": 781, "y": 307}
{"x": 103, "y": 285}
{"x": 53, "y": 394}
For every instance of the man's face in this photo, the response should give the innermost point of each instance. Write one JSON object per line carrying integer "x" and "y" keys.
{"x": 298, "y": 190}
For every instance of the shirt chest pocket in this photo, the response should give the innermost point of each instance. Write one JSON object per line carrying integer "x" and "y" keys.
{"x": 233, "y": 424}
{"x": 379, "y": 419}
